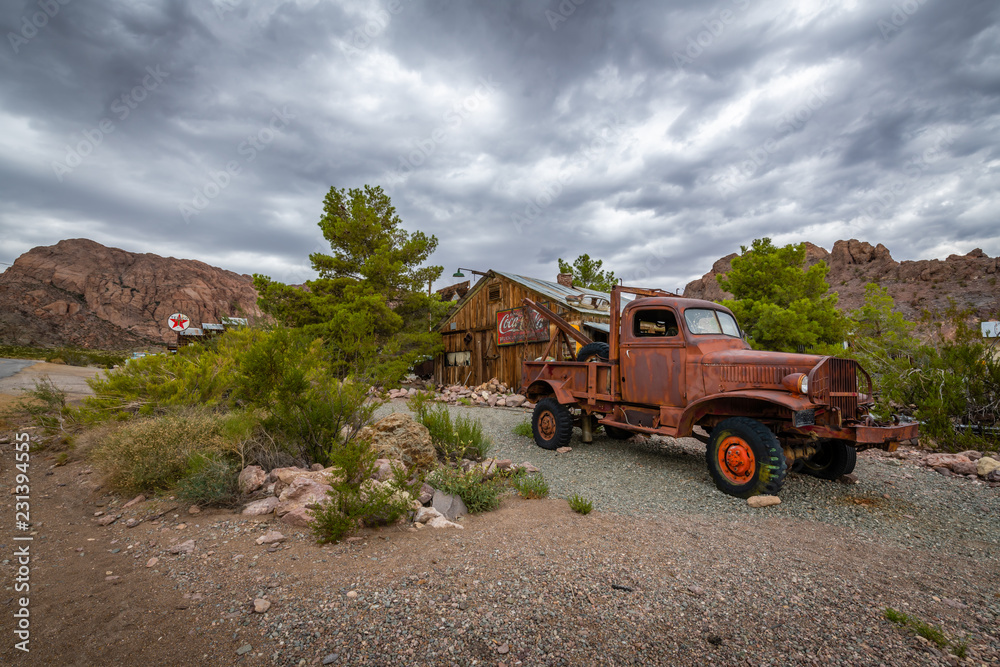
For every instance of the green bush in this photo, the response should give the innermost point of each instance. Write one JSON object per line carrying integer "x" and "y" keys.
{"x": 524, "y": 429}
{"x": 927, "y": 631}
{"x": 72, "y": 356}
{"x": 454, "y": 439}
{"x": 211, "y": 479}
{"x": 579, "y": 504}
{"x": 46, "y": 404}
{"x": 155, "y": 454}
{"x": 951, "y": 384}
{"x": 357, "y": 500}
{"x": 478, "y": 493}
{"x": 420, "y": 404}
{"x": 531, "y": 486}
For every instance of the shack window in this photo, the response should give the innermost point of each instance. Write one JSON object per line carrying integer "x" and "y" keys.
{"x": 648, "y": 323}
{"x": 495, "y": 292}
{"x": 458, "y": 358}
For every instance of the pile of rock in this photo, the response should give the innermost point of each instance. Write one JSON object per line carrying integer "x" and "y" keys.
{"x": 969, "y": 464}
{"x": 492, "y": 394}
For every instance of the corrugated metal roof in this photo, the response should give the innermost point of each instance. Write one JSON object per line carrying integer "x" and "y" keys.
{"x": 208, "y": 326}
{"x": 560, "y": 292}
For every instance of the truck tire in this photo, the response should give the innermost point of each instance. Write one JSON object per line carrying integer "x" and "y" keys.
{"x": 745, "y": 459}
{"x": 834, "y": 459}
{"x": 551, "y": 424}
{"x": 594, "y": 352}
{"x": 616, "y": 433}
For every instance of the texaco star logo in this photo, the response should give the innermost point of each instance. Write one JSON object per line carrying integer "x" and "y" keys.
{"x": 178, "y": 322}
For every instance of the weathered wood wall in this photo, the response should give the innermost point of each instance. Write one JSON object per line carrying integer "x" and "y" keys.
{"x": 478, "y": 318}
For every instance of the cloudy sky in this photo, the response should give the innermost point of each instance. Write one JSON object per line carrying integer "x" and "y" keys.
{"x": 658, "y": 136}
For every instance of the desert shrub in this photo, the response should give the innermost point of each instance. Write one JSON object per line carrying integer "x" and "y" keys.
{"x": 357, "y": 500}
{"x": 524, "y": 429}
{"x": 951, "y": 384}
{"x": 478, "y": 493}
{"x": 71, "y": 356}
{"x": 46, "y": 404}
{"x": 211, "y": 479}
{"x": 455, "y": 438}
{"x": 930, "y": 632}
{"x": 579, "y": 504}
{"x": 420, "y": 404}
{"x": 531, "y": 486}
{"x": 155, "y": 454}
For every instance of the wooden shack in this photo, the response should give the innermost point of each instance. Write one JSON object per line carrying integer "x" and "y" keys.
{"x": 489, "y": 332}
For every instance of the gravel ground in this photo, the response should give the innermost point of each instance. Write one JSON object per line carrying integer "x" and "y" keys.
{"x": 666, "y": 571}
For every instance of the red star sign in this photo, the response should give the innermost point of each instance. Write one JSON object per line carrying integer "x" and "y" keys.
{"x": 178, "y": 322}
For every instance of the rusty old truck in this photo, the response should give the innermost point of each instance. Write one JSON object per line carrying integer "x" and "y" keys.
{"x": 681, "y": 367}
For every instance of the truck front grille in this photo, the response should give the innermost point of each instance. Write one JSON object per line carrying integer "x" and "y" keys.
{"x": 836, "y": 384}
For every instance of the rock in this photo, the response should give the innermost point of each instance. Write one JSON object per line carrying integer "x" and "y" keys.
{"x": 107, "y": 519}
{"x": 964, "y": 468}
{"x": 131, "y": 523}
{"x": 503, "y": 649}
{"x": 79, "y": 293}
{"x": 515, "y": 401}
{"x": 316, "y": 467}
{"x": 352, "y": 594}
{"x": 152, "y": 561}
{"x": 425, "y": 514}
{"x": 426, "y": 494}
{"x": 944, "y": 471}
{"x": 260, "y": 605}
{"x": 271, "y": 537}
{"x": 564, "y": 450}
{"x": 399, "y": 436}
{"x": 182, "y": 548}
{"x": 330, "y": 659}
{"x": 304, "y": 491}
{"x": 261, "y": 507}
{"x": 763, "y": 501}
{"x": 251, "y": 478}
{"x": 297, "y": 516}
{"x": 243, "y": 650}
{"x": 385, "y": 467}
{"x": 528, "y": 468}
{"x": 504, "y": 464}
{"x": 986, "y": 465}
{"x": 194, "y": 509}
{"x": 993, "y": 476}
{"x": 971, "y": 454}
{"x": 849, "y": 478}
{"x": 946, "y": 460}
{"x": 135, "y": 501}
{"x": 441, "y": 522}
{"x": 451, "y": 507}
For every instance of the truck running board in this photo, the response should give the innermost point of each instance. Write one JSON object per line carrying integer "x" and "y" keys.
{"x": 640, "y": 429}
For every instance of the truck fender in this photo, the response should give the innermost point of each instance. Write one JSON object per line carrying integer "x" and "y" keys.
{"x": 549, "y": 387}
{"x": 717, "y": 403}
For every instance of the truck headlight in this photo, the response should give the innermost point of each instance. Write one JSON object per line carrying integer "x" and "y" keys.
{"x": 804, "y": 385}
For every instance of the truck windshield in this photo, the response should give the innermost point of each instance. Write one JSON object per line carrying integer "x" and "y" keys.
{"x": 707, "y": 321}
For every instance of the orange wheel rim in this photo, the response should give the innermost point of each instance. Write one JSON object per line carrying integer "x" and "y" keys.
{"x": 547, "y": 426}
{"x": 736, "y": 460}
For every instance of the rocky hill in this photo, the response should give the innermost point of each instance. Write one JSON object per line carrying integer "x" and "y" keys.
{"x": 81, "y": 293}
{"x": 916, "y": 286}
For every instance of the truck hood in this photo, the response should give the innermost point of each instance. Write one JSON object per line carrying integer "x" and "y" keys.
{"x": 802, "y": 363}
{"x": 738, "y": 370}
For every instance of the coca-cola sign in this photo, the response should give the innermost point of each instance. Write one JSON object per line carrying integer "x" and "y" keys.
{"x": 520, "y": 325}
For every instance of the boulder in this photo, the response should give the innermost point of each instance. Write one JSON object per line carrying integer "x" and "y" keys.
{"x": 515, "y": 401}
{"x": 451, "y": 507}
{"x": 399, "y": 436}
{"x": 972, "y": 454}
{"x": 964, "y": 468}
{"x": 301, "y": 494}
{"x": 261, "y": 507}
{"x": 271, "y": 537}
{"x": 297, "y": 516}
{"x": 945, "y": 460}
{"x": 426, "y": 494}
{"x": 251, "y": 478}
{"x": 986, "y": 465}
{"x": 425, "y": 514}
{"x": 441, "y": 522}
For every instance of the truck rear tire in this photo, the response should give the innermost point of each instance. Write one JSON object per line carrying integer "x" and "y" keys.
{"x": 594, "y": 352}
{"x": 551, "y": 424}
{"x": 745, "y": 459}
{"x": 834, "y": 459}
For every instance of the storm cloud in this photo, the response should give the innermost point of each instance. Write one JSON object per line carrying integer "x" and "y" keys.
{"x": 656, "y": 136}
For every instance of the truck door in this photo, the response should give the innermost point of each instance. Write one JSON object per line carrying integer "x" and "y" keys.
{"x": 652, "y": 358}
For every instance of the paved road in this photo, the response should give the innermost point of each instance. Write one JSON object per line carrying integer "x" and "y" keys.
{"x": 9, "y": 367}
